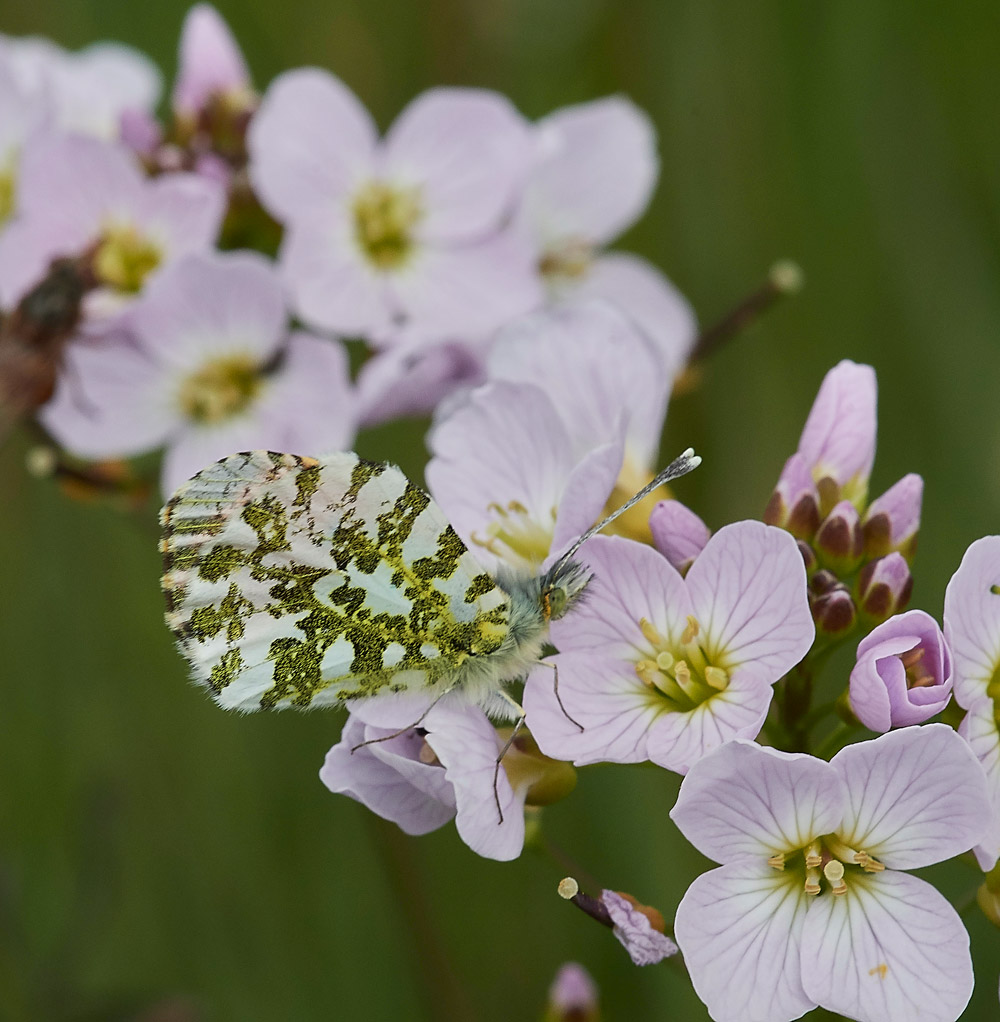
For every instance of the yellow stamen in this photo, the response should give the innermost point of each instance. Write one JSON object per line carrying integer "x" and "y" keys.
{"x": 777, "y": 861}
{"x": 814, "y": 855}
{"x": 650, "y": 633}
{"x": 690, "y": 631}
{"x": 812, "y": 885}
{"x": 834, "y": 872}
{"x": 717, "y": 678}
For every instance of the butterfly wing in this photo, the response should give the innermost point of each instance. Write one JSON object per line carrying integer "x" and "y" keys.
{"x": 301, "y": 582}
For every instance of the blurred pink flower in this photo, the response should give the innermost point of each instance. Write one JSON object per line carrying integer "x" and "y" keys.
{"x": 659, "y": 667}
{"x": 809, "y": 907}
{"x": 594, "y": 172}
{"x": 903, "y": 673}
{"x": 972, "y": 628}
{"x": 210, "y": 66}
{"x": 208, "y": 369}
{"x": 406, "y": 230}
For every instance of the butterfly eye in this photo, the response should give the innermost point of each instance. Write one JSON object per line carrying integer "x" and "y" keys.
{"x": 556, "y": 600}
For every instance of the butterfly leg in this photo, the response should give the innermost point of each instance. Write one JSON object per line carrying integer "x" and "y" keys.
{"x": 555, "y": 690}
{"x": 518, "y": 724}
{"x": 409, "y": 727}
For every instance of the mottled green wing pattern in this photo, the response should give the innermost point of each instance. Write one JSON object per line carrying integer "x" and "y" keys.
{"x": 301, "y": 582}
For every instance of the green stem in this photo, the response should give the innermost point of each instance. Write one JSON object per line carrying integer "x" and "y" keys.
{"x": 834, "y": 741}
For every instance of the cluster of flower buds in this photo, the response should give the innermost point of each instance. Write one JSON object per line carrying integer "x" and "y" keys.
{"x": 857, "y": 554}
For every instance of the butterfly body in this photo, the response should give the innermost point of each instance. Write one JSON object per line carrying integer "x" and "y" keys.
{"x": 302, "y": 582}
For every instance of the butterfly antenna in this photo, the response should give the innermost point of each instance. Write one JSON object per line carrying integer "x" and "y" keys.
{"x": 680, "y": 466}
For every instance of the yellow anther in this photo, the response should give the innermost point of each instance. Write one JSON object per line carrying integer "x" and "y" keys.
{"x": 814, "y": 857}
{"x": 717, "y": 678}
{"x": 924, "y": 681}
{"x": 777, "y": 861}
{"x": 494, "y": 506}
{"x": 664, "y": 661}
{"x": 650, "y": 633}
{"x": 869, "y": 864}
{"x": 834, "y": 872}
{"x": 517, "y": 507}
{"x": 912, "y": 656}
{"x": 647, "y": 672}
{"x": 812, "y": 884}
{"x": 691, "y": 631}
{"x": 428, "y": 756}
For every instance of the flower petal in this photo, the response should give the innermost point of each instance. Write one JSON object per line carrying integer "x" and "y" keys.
{"x": 889, "y": 950}
{"x": 972, "y": 619}
{"x": 916, "y": 796}
{"x": 467, "y": 745}
{"x": 311, "y": 142}
{"x": 980, "y": 730}
{"x": 596, "y": 169}
{"x": 746, "y": 801}
{"x": 645, "y": 945}
{"x": 467, "y": 150}
{"x": 740, "y": 930}
{"x": 748, "y": 593}
{"x": 678, "y": 533}
{"x": 383, "y": 780}
{"x": 211, "y": 62}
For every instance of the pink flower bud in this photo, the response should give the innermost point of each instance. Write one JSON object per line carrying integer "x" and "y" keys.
{"x": 832, "y": 608}
{"x": 884, "y": 586}
{"x": 794, "y": 505}
{"x": 903, "y": 673}
{"x": 572, "y": 996}
{"x": 678, "y": 533}
{"x": 838, "y": 541}
{"x": 893, "y": 520}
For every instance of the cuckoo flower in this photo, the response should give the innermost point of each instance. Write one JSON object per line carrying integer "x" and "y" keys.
{"x": 678, "y": 533}
{"x": 572, "y": 996}
{"x": 87, "y": 91}
{"x": 405, "y": 230}
{"x": 809, "y": 907}
{"x": 903, "y": 673}
{"x": 512, "y": 478}
{"x": 972, "y": 627}
{"x": 656, "y": 666}
{"x": 595, "y": 169}
{"x": 424, "y": 777}
{"x": 79, "y": 194}
{"x": 210, "y": 370}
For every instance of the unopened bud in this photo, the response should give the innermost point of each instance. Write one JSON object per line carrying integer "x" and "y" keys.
{"x": 572, "y": 996}
{"x": 884, "y": 587}
{"x": 808, "y": 556}
{"x": 838, "y": 541}
{"x": 794, "y": 505}
{"x": 893, "y": 520}
{"x": 548, "y": 780}
{"x": 833, "y": 611}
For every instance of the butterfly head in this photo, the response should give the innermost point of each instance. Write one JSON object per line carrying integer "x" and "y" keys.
{"x": 561, "y": 588}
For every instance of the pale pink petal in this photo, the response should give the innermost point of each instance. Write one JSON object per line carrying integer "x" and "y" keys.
{"x": 596, "y": 370}
{"x": 838, "y": 439}
{"x": 981, "y": 731}
{"x": 647, "y": 298}
{"x": 679, "y": 740}
{"x": 603, "y": 696}
{"x": 631, "y": 582}
{"x": 645, "y": 945}
{"x": 596, "y": 169}
{"x": 209, "y": 305}
{"x": 467, "y": 745}
{"x": 467, "y": 151}
{"x": 889, "y": 950}
{"x": 329, "y": 283}
{"x": 748, "y": 593}
{"x": 740, "y": 928}
{"x": 573, "y": 993}
{"x": 112, "y": 401}
{"x": 181, "y": 212}
{"x": 586, "y": 493}
{"x": 678, "y": 533}
{"x": 900, "y": 507}
{"x": 27, "y": 247}
{"x": 467, "y": 289}
{"x": 745, "y": 801}
{"x": 384, "y": 780}
{"x": 309, "y": 398}
{"x": 311, "y": 142}
{"x": 972, "y": 619}
{"x": 211, "y": 62}
{"x": 916, "y": 796}
{"x": 395, "y": 710}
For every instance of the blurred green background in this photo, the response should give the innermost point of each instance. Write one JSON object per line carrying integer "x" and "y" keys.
{"x": 153, "y": 849}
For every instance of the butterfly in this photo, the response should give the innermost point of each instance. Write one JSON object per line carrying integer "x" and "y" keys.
{"x": 302, "y": 582}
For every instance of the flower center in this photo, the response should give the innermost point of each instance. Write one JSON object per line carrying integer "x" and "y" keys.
{"x": 516, "y": 537}
{"x": 681, "y": 672}
{"x": 221, "y": 389}
{"x": 827, "y": 864}
{"x": 634, "y": 523}
{"x": 918, "y": 674}
{"x": 8, "y": 187}
{"x": 384, "y": 218}
{"x": 566, "y": 260}
{"x": 124, "y": 258}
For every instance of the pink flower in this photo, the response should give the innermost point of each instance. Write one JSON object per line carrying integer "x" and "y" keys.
{"x": 595, "y": 170}
{"x": 655, "y": 666}
{"x": 972, "y": 628}
{"x": 22, "y": 114}
{"x": 442, "y": 770}
{"x": 211, "y": 66}
{"x": 210, "y": 370}
{"x": 903, "y": 673}
{"x": 809, "y": 907}
{"x": 572, "y": 996}
{"x": 400, "y": 231}
{"x": 79, "y": 194}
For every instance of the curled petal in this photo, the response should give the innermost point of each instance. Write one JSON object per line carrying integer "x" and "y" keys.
{"x": 740, "y": 929}
{"x": 678, "y": 533}
{"x": 916, "y": 796}
{"x": 747, "y": 801}
{"x": 645, "y": 945}
{"x": 890, "y": 950}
